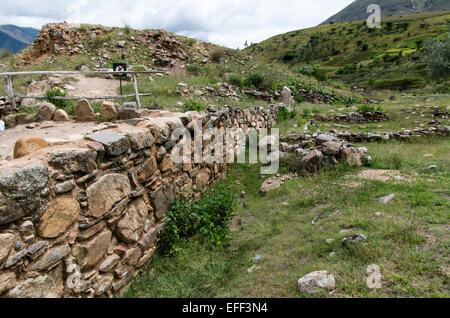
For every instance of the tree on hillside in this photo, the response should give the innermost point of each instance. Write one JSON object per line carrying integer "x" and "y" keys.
{"x": 437, "y": 57}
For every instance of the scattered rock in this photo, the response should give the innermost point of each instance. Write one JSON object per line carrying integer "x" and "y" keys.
{"x": 387, "y": 199}
{"x": 83, "y": 111}
{"x": 46, "y": 111}
{"x": 108, "y": 111}
{"x": 315, "y": 281}
{"x": 354, "y": 239}
{"x": 61, "y": 116}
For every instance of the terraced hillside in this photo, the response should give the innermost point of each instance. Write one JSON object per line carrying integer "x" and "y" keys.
{"x": 354, "y": 53}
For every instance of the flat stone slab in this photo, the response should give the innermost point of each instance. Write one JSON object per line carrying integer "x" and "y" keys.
{"x": 115, "y": 144}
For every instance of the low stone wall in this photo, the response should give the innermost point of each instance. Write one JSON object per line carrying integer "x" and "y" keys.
{"x": 299, "y": 141}
{"x": 354, "y": 117}
{"x": 86, "y": 219}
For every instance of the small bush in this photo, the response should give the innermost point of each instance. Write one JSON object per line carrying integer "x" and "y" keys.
{"x": 59, "y": 103}
{"x": 369, "y": 108}
{"x": 207, "y": 216}
{"x": 193, "y": 105}
{"x": 193, "y": 69}
{"x": 216, "y": 54}
{"x": 285, "y": 114}
{"x": 127, "y": 29}
{"x": 254, "y": 79}
{"x": 236, "y": 80}
{"x": 320, "y": 75}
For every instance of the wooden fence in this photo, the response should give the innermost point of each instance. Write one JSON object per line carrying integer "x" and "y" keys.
{"x": 11, "y": 96}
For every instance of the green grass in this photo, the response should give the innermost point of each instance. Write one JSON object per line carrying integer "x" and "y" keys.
{"x": 409, "y": 241}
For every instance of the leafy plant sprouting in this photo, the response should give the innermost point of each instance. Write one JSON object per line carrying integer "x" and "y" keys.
{"x": 207, "y": 216}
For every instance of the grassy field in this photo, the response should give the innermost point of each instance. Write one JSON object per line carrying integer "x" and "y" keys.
{"x": 407, "y": 238}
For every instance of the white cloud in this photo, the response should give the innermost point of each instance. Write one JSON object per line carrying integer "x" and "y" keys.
{"x": 226, "y": 22}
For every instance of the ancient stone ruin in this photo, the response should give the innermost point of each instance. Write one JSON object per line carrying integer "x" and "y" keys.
{"x": 81, "y": 218}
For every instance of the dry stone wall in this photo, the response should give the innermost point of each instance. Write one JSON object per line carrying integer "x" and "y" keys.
{"x": 87, "y": 219}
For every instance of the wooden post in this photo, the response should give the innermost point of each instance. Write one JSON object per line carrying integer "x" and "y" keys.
{"x": 136, "y": 91}
{"x": 9, "y": 91}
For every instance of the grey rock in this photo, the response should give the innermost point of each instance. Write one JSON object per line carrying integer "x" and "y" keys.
{"x": 139, "y": 141}
{"x": 65, "y": 187}
{"x": 115, "y": 144}
{"x": 387, "y": 199}
{"x": 37, "y": 249}
{"x": 109, "y": 263}
{"x": 15, "y": 258}
{"x": 315, "y": 281}
{"x": 74, "y": 161}
{"x": 26, "y": 183}
{"x": 13, "y": 212}
{"x": 50, "y": 258}
{"x": 357, "y": 238}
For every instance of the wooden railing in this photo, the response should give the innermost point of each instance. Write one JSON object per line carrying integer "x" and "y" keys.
{"x": 11, "y": 96}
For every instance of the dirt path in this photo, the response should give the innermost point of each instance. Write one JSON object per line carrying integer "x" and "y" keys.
{"x": 81, "y": 86}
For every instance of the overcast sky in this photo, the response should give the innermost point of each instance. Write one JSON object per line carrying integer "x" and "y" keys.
{"x": 225, "y": 22}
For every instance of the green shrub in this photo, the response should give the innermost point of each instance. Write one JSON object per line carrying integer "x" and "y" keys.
{"x": 207, "y": 216}
{"x": 407, "y": 82}
{"x": 217, "y": 54}
{"x": 254, "y": 79}
{"x": 320, "y": 75}
{"x": 193, "y": 105}
{"x": 307, "y": 70}
{"x": 442, "y": 89}
{"x": 236, "y": 80}
{"x": 285, "y": 114}
{"x": 437, "y": 57}
{"x": 366, "y": 108}
{"x": 59, "y": 103}
{"x": 193, "y": 68}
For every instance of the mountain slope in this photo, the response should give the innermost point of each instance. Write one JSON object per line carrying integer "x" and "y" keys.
{"x": 353, "y": 52}
{"x": 358, "y": 9}
{"x": 15, "y": 38}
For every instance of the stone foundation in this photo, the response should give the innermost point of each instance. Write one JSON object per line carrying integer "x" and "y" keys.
{"x": 85, "y": 218}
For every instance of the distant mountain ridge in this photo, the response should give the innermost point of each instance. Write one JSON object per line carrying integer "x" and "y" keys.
{"x": 15, "y": 38}
{"x": 358, "y": 9}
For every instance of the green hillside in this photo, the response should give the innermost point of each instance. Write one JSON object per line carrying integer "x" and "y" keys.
{"x": 352, "y": 52}
{"x": 358, "y": 9}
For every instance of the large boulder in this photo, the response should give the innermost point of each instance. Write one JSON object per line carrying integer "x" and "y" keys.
{"x": 26, "y": 145}
{"x": 61, "y": 213}
{"x": 108, "y": 112}
{"x": 353, "y": 156}
{"x": 313, "y": 161}
{"x": 61, "y": 115}
{"x": 83, "y": 111}
{"x": 46, "y": 111}
{"x": 103, "y": 194}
